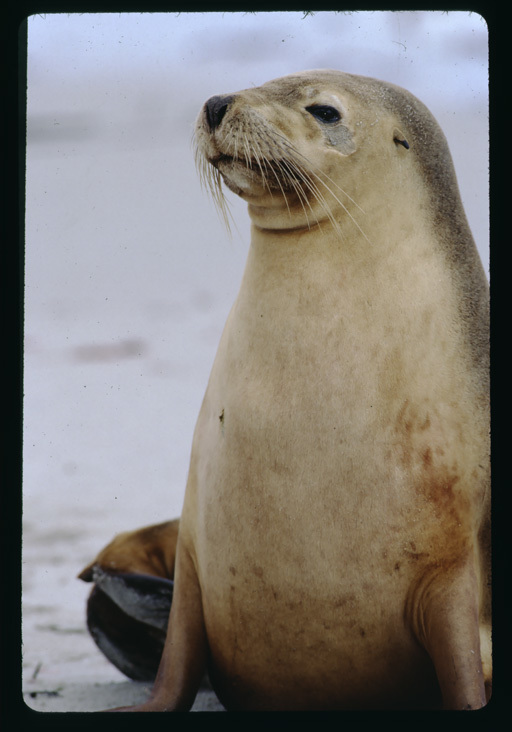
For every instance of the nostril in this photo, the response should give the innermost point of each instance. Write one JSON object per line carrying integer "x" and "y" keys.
{"x": 216, "y": 108}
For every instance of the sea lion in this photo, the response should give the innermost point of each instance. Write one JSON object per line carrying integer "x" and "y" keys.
{"x": 128, "y": 607}
{"x": 334, "y": 545}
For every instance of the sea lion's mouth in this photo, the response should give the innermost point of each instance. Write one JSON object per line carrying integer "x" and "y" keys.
{"x": 240, "y": 174}
{"x": 223, "y": 160}
{"x": 267, "y": 168}
{"x": 275, "y": 174}
{"x": 215, "y": 161}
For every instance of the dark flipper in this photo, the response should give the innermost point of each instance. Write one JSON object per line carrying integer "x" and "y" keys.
{"x": 127, "y": 617}
{"x": 141, "y": 596}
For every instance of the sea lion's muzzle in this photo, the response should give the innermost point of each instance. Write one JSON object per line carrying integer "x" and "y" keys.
{"x": 215, "y": 109}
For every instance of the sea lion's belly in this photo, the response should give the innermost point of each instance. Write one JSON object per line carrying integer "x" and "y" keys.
{"x": 308, "y": 538}
{"x": 305, "y": 569}
{"x": 328, "y": 471}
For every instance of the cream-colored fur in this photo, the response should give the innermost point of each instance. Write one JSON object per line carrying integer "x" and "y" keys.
{"x": 339, "y": 471}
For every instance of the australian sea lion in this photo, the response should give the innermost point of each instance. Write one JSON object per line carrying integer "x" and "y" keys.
{"x": 128, "y": 608}
{"x": 333, "y": 549}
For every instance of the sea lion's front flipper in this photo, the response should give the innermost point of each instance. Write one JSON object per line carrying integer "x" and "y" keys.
{"x": 446, "y": 621}
{"x": 184, "y": 658}
{"x": 127, "y": 617}
{"x": 133, "y": 647}
{"x": 143, "y": 597}
{"x": 128, "y": 608}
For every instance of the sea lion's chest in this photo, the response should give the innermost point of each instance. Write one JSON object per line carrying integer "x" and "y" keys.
{"x": 326, "y": 405}
{"x": 327, "y": 398}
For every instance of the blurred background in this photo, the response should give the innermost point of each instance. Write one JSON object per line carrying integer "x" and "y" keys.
{"x": 130, "y": 273}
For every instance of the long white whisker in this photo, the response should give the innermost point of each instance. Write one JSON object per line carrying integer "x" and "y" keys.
{"x": 261, "y": 162}
{"x": 342, "y": 205}
{"x": 286, "y": 148}
{"x": 316, "y": 193}
{"x": 281, "y": 166}
{"x": 278, "y": 180}
{"x": 210, "y": 178}
{"x": 292, "y": 173}
{"x": 290, "y": 148}
{"x": 321, "y": 198}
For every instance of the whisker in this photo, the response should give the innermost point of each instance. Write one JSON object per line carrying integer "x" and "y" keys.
{"x": 289, "y": 147}
{"x": 272, "y": 168}
{"x": 210, "y": 179}
{"x": 321, "y": 198}
{"x": 281, "y": 166}
{"x": 317, "y": 195}
{"x": 292, "y": 175}
{"x": 290, "y": 154}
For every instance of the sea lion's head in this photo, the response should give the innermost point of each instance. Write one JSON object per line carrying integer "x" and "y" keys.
{"x": 286, "y": 147}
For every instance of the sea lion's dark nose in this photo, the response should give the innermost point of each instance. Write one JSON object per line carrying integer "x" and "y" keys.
{"x": 216, "y": 108}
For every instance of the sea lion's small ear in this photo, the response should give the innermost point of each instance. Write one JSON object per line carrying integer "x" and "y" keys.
{"x": 399, "y": 138}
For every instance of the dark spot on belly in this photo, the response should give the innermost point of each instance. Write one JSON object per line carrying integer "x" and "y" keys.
{"x": 344, "y": 600}
{"x": 427, "y": 457}
{"x": 414, "y": 556}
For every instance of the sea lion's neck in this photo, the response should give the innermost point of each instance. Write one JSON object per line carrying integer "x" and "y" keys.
{"x": 290, "y": 268}
{"x": 359, "y": 264}
{"x": 280, "y": 216}
{"x": 290, "y": 252}
{"x": 295, "y": 245}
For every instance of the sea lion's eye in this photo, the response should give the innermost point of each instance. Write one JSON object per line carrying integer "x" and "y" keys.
{"x": 324, "y": 113}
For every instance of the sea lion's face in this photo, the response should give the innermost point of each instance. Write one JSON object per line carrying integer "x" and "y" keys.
{"x": 262, "y": 138}
{"x": 287, "y": 145}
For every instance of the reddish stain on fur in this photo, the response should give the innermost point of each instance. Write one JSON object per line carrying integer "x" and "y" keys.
{"x": 427, "y": 457}
{"x": 436, "y": 482}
